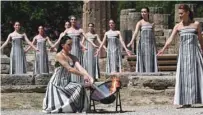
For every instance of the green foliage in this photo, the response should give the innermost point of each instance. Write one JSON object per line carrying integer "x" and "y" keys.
{"x": 31, "y": 14}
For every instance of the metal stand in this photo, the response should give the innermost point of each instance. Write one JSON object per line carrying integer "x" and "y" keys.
{"x": 92, "y": 104}
{"x": 118, "y": 100}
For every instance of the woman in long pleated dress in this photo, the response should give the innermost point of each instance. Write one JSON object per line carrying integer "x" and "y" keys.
{"x": 77, "y": 48}
{"x": 54, "y": 47}
{"x": 189, "y": 73}
{"x": 63, "y": 95}
{"x": 114, "y": 55}
{"x": 41, "y": 58}
{"x": 17, "y": 56}
{"x": 146, "y": 50}
{"x": 90, "y": 62}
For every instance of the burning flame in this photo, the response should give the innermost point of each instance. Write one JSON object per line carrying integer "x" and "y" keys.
{"x": 115, "y": 84}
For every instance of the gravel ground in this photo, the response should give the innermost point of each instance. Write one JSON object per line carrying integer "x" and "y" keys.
{"x": 137, "y": 110}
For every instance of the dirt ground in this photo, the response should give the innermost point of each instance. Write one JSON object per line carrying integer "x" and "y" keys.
{"x": 129, "y": 97}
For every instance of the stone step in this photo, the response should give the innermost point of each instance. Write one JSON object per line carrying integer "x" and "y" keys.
{"x": 153, "y": 82}
{"x": 25, "y": 79}
{"x": 43, "y": 79}
{"x": 157, "y": 81}
{"x": 166, "y": 62}
{"x": 23, "y": 88}
{"x": 160, "y": 63}
{"x": 132, "y": 91}
{"x": 136, "y": 91}
{"x": 140, "y": 74}
{"x": 162, "y": 57}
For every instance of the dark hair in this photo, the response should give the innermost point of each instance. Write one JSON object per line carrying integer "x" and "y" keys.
{"x": 186, "y": 8}
{"x": 147, "y": 11}
{"x": 16, "y": 22}
{"x": 40, "y": 26}
{"x": 63, "y": 41}
{"x": 67, "y": 21}
{"x": 90, "y": 23}
{"x": 71, "y": 17}
{"x": 112, "y": 20}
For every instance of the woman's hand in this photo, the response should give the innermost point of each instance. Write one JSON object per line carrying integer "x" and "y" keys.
{"x": 128, "y": 52}
{"x": 37, "y": 50}
{"x": 160, "y": 52}
{"x": 84, "y": 48}
{"x": 88, "y": 80}
{"x": 96, "y": 53}
{"x": 52, "y": 49}
{"x": 25, "y": 51}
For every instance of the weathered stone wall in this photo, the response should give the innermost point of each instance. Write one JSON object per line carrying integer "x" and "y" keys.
{"x": 128, "y": 20}
{"x": 97, "y": 12}
{"x": 130, "y": 17}
{"x": 201, "y": 22}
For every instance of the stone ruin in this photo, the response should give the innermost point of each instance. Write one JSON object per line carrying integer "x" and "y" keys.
{"x": 163, "y": 29}
{"x": 99, "y": 12}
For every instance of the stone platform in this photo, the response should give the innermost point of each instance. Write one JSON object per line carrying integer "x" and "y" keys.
{"x": 37, "y": 83}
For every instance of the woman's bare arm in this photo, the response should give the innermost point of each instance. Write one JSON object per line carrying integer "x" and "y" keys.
{"x": 28, "y": 42}
{"x": 6, "y": 42}
{"x": 138, "y": 25}
{"x": 169, "y": 40}
{"x": 199, "y": 35}
{"x": 33, "y": 42}
{"x": 100, "y": 42}
{"x": 63, "y": 61}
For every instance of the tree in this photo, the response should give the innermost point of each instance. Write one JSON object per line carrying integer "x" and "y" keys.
{"x": 31, "y": 14}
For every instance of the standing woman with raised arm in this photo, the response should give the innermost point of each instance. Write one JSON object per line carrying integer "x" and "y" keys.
{"x": 17, "y": 56}
{"x": 189, "y": 73}
{"x": 114, "y": 55}
{"x": 41, "y": 57}
{"x": 77, "y": 35}
{"x": 63, "y": 95}
{"x": 146, "y": 50}
{"x": 67, "y": 26}
{"x": 90, "y": 62}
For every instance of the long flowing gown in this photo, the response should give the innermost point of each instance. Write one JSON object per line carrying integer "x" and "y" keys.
{"x": 189, "y": 74}
{"x": 90, "y": 62}
{"x": 17, "y": 56}
{"x": 76, "y": 51}
{"x": 146, "y": 51}
{"x": 41, "y": 61}
{"x": 114, "y": 56}
{"x": 62, "y": 95}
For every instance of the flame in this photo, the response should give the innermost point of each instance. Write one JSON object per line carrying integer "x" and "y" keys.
{"x": 115, "y": 84}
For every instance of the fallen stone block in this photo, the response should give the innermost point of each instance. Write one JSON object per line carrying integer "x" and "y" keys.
{"x": 42, "y": 79}
{"x": 14, "y": 79}
{"x": 5, "y": 68}
{"x": 23, "y": 88}
{"x": 153, "y": 82}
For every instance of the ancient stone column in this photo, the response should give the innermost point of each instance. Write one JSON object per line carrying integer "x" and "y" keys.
{"x": 97, "y": 12}
{"x": 133, "y": 18}
{"x": 161, "y": 21}
{"x": 128, "y": 20}
{"x": 124, "y": 18}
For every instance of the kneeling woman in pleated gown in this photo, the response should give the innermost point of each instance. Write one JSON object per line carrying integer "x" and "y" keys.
{"x": 63, "y": 95}
{"x": 189, "y": 74}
